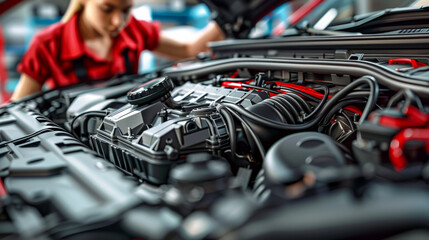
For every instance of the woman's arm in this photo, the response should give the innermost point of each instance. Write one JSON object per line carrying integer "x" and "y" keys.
{"x": 25, "y": 87}
{"x": 175, "y": 50}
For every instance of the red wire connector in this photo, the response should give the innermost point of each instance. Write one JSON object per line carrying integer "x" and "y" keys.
{"x": 414, "y": 63}
{"x": 397, "y": 145}
{"x": 396, "y": 135}
{"x": 414, "y": 127}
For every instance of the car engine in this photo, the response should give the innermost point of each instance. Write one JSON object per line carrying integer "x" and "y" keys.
{"x": 240, "y": 148}
{"x": 302, "y": 138}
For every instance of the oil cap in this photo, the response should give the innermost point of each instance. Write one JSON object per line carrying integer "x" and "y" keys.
{"x": 156, "y": 89}
{"x": 290, "y": 157}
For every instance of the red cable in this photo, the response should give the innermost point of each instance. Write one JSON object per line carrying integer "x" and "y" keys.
{"x": 304, "y": 89}
{"x": 316, "y": 94}
{"x": 232, "y": 85}
{"x": 3, "y": 191}
{"x": 234, "y": 75}
{"x": 354, "y": 109}
{"x": 397, "y": 145}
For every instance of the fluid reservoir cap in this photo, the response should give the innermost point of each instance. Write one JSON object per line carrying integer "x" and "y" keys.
{"x": 150, "y": 91}
{"x": 287, "y": 160}
{"x": 199, "y": 168}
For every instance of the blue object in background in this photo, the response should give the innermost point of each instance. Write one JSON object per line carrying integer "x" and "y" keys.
{"x": 199, "y": 16}
{"x": 279, "y": 17}
{"x": 34, "y": 25}
{"x": 273, "y": 23}
{"x": 32, "y": 18}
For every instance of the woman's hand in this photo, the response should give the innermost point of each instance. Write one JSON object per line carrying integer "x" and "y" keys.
{"x": 176, "y": 50}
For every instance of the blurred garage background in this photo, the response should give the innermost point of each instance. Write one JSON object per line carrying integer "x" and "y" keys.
{"x": 21, "y": 19}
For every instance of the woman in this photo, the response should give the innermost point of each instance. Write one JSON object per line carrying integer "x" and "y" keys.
{"x": 98, "y": 39}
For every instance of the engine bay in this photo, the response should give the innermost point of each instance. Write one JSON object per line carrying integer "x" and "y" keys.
{"x": 230, "y": 148}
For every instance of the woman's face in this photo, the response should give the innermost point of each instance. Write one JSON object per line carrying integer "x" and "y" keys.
{"x": 107, "y": 17}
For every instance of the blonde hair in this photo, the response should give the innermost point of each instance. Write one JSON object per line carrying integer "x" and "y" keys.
{"x": 74, "y": 7}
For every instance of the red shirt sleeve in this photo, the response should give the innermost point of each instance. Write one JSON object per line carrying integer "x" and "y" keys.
{"x": 34, "y": 63}
{"x": 151, "y": 33}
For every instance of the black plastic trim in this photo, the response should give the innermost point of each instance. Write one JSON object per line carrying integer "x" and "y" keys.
{"x": 384, "y": 76}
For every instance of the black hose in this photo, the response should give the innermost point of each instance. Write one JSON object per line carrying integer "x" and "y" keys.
{"x": 250, "y": 130}
{"x": 294, "y": 95}
{"x": 335, "y": 109}
{"x": 259, "y": 88}
{"x": 372, "y": 99}
{"x": 334, "y": 100}
{"x": 320, "y": 105}
{"x": 293, "y": 90}
{"x": 25, "y": 138}
{"x": 291, "y": 110}
{"x": 284, "y": 109}
{"x": 231, "y": 126}
{"x": 211, "y": 127}
{"x": 85, "y": 122}
{"x": 409, "y": 97}
{"x": 273, "y": 106}
{"x": 302, "y": 101}
{"x": 81, "y": 115}
{"x": 294, "y": 104}
{"x": 395, "y": 99}
{"x": 299, "y": 92}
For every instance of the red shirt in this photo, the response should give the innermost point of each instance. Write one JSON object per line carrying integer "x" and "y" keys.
{"x": 54, "y": 50}
{"x": 3, "y": 72}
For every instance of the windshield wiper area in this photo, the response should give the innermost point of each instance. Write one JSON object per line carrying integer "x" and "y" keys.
{"x": 309, "y": 31}
{"x": 387, "y": 20}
